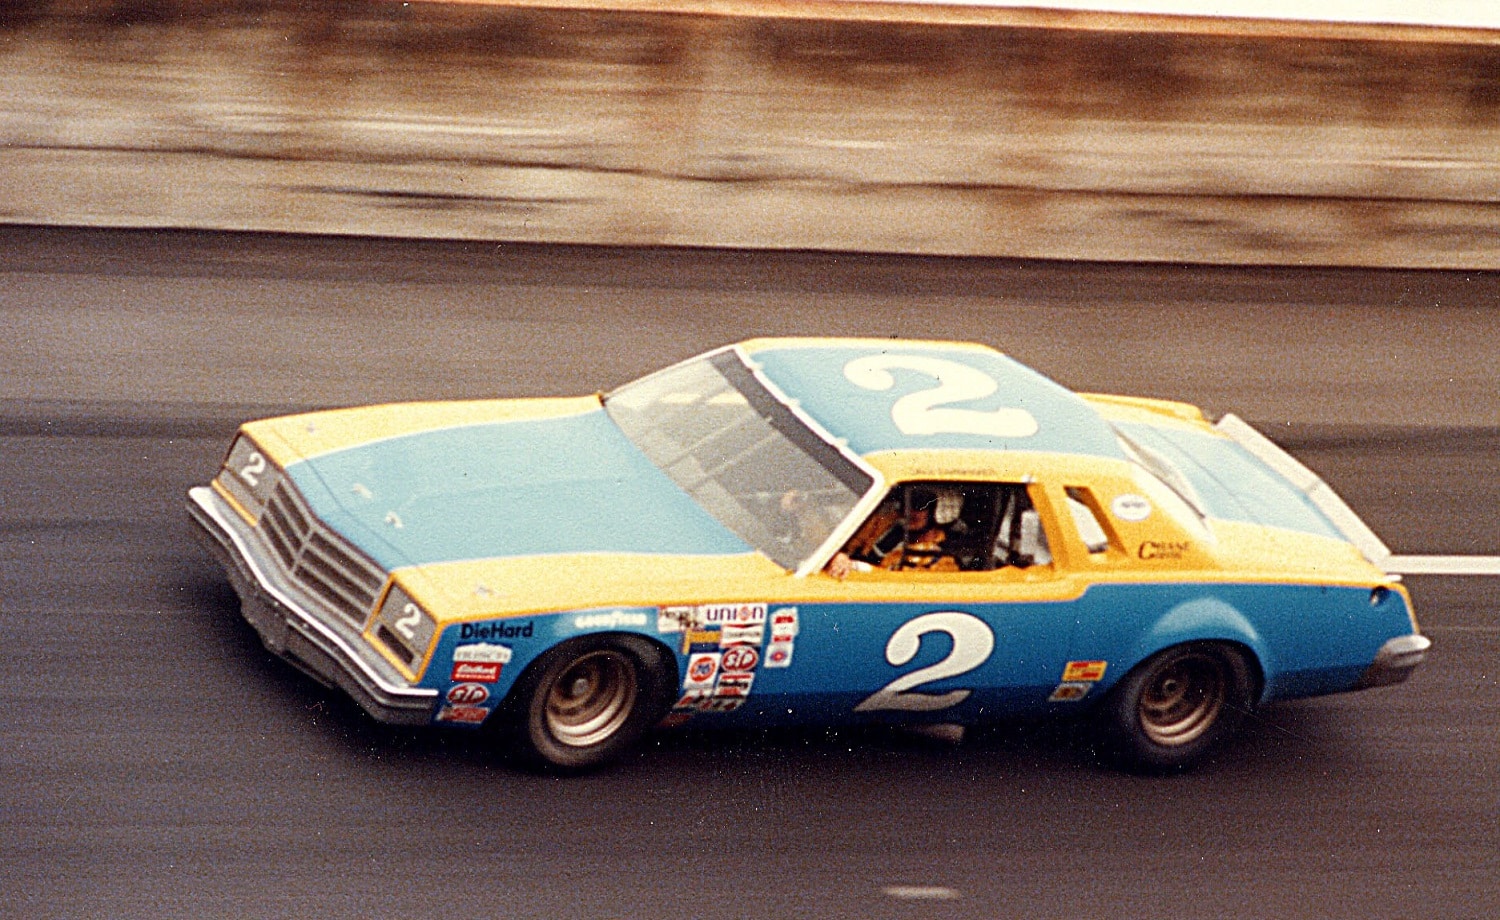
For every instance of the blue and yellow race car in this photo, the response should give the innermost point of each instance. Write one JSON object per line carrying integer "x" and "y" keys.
{"x": 822, "y": 531}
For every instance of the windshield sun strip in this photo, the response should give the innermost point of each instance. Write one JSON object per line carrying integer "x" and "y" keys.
{"x": 874, "y": 487}
{"x": 784, "y": 415}
{"x": 767, "y": 432}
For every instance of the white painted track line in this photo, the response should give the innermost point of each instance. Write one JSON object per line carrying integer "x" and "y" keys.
{"x": 1442, "y": 565}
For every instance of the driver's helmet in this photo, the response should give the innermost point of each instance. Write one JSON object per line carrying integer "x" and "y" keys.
{"x": 947, "y": 508}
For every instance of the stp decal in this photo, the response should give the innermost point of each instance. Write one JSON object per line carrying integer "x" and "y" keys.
{"x": 740, "y": 658}
{"x": 468, "y": 695}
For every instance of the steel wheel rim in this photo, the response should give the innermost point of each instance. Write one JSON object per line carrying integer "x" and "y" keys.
{"x": 591, "y": 699}
{"x": 1183, "y": 700}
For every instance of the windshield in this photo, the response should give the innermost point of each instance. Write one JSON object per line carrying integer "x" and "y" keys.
{"x": 744, "y": 456}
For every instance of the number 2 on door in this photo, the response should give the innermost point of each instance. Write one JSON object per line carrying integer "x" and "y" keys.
{"x": 973, "y": 640}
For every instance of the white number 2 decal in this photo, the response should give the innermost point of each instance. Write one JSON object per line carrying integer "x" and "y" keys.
{"x": 255, "y": 464}
{"x": 407, "y": 625}
{"x": 927, "y": 411}
{"x": 972, "y": 643}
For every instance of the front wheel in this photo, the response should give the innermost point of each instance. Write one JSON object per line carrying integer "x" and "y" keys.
{"x": 588, "y": 700}
{"x": 1177, "y": 705}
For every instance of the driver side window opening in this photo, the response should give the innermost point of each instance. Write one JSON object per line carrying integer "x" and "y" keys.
{"x": 952, "y": 527}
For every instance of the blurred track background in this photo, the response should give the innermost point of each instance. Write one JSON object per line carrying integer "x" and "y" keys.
{"x": 157, "y": 762}
{"x": 858, "y": 173}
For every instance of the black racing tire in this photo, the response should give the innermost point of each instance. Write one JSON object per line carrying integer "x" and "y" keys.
{"x": 1178, "y": 705}
{"x": 588, "y": 700}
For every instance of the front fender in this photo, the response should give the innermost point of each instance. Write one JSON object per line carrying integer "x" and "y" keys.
{"x": 477, "y": 663}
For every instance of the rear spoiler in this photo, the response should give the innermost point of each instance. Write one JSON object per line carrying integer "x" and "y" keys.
{"x": 1307, "y": 482}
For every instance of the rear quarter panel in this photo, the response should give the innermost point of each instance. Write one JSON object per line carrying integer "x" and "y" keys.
{"x": 1306, "y": 639}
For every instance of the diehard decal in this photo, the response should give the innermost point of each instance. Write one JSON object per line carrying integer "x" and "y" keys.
{"x": 485, "y": 631}
{"x": 1088, "y": 671}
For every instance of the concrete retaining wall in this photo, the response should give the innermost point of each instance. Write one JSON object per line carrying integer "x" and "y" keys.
{"x": 827, "y": 125}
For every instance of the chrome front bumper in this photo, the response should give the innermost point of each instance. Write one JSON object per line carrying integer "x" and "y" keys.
{"x": 1395, "y": 661}
{"x": 326, "y": 650}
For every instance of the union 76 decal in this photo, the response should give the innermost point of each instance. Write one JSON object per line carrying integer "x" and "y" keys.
{"x": 973, "y": 640}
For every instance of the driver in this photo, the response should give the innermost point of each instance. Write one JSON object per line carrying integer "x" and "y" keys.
{"x": 890, "y": 540}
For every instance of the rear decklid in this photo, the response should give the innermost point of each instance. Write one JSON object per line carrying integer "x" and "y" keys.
{"x": 1241, "y": 475}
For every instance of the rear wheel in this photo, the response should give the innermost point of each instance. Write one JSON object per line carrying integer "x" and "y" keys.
{"x": 1176, "y": 706}
{"x": 586, "y": 701}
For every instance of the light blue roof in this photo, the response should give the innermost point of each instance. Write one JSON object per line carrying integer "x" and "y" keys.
{"x": 891, "y": 395}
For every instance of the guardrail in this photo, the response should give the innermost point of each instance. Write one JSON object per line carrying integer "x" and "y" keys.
{"x": 843, "y": 126}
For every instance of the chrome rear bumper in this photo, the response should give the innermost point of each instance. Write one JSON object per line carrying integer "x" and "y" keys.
{"x": 1395, "y": 661}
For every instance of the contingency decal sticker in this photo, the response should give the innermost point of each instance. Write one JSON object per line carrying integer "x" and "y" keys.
{"x": 1078, "y": 678}
{"x": 1088, "y": 671}
{"x": 784, "y": 628}
{"x": 1070, "y": 692}
{"x": 725, "y": 645}
{"x": 479, "y": 663}
{"x": 466, "y": 704}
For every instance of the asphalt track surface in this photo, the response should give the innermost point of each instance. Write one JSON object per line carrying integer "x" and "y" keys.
{"x": 155, "y": 761}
